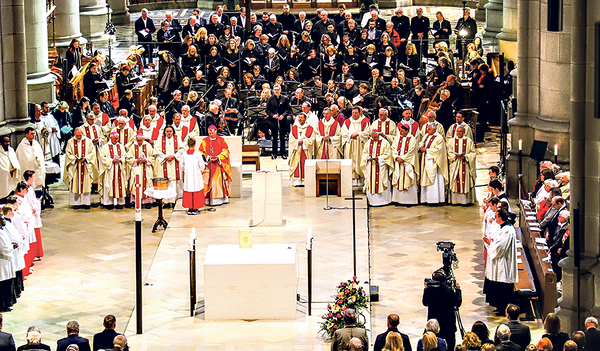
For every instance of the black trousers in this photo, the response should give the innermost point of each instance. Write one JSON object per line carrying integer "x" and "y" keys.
{"x": 147, "y": 54}
{"x": 279, "y": 130}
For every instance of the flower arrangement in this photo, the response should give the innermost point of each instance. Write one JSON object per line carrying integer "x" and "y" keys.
{"x": 349, "y": 296}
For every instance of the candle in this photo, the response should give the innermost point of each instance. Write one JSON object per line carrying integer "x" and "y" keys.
{"x": 193, "y": 233}
{"x": 520, "y": 144}
{"x": 555, "y": 149}
{"x": 309, "y": 237}
{"x": 191, "y": 244}
{"x": 138, "y": 193}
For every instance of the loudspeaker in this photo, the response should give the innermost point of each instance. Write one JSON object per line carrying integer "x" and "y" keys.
{"x": 555, "y": 15}
{"x": 538, "y": 149}
{"x": 597, "y": 71}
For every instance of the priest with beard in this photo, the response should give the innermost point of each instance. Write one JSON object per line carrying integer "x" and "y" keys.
{"x": 302, "y": 138}
{"x": 462, "y": 169}
{"x": 80, "y": 169}
{"x": 113, "y": 173}
{"x": 355, "y": 133}
{"x": 217, "y": 176}
{"x": 141, "y": 153}
{"x": 376, "y": 162}
{"x": 434, "y": 166}
{"x": 328, "y": 137}
{"x": 406, "y": 171}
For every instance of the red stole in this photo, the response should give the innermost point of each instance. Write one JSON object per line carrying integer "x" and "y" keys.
{"x": 80, "y": 152}
{"x": 378, "y": 148}
{"x": 403, "y": 150}
{"x": 461, "y": 176}
{"x": 116, "y": 174}
{"x": 105, "y": 119}
{"x": 156, "y": 130}
{"x": 164, "y": 150}
{"x": 88, "y": 134}
{"x": 299, "y": 172}
{"x": 330, "y": 133}
{"x": 136, "y": 151}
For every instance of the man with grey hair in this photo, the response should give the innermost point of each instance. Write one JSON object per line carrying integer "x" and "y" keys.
{"x": 80, "y": 169}
{"x": 73, "y": 338}
{"x": 434, "y": 166}
{"x": 433, "y": 326}
{"x": 461, "y": 168}
{"x": 356, "y": 344}
{"x": 592, "y": 335}
{"x": 579, "y": 339}
{"x": 341, "y": 338}
{"x": 120, "y": 343}
{"x": 144, "y": 27}
{"x": 503, "y": 334}
{"x": 558, "y": 250}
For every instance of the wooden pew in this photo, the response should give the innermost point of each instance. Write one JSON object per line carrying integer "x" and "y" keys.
{"x": 539, "y": 259}
{"x": 142, "y": 92}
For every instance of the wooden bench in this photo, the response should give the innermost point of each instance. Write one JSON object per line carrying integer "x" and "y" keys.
{"x": 329, "y": 175}
{"x": 526, "y": 295}
{"x": 251, "y": 155}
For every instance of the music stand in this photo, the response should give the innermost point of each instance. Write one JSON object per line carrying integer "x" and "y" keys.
{"x": 291, "y": 85}
{"x": 220, "y": 94}
{"x": 199, "y": 87}
{"x": 247, "y": 93}
{"x": 312, "y": 92}
{"x": 296, "y": 109}
{"x": 254, "y": 113}
{"x": 251, "y": 101}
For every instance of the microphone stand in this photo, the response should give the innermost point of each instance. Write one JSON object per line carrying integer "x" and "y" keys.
{"x": 326, "y": 149}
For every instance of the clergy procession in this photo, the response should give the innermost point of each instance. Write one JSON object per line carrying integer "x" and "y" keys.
{"x": 393, "y": 162}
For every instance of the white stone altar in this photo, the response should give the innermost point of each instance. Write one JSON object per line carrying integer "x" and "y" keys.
{"x": 257, "y": 283}
{"x": 235, "y": 156}
{"x": 310, "y": 175}
{"x": 267, "y": 195}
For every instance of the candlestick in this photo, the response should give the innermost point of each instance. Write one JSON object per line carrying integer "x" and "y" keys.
{"x": 555, "y": 149}
{"x": 520, "y": 144}
{"x": 138, "y": 193}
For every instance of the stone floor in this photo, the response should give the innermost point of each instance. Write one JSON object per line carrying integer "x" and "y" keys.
{"x": 88, "y": 268}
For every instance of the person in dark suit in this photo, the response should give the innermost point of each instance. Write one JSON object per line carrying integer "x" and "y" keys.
{"x": 7, "y": 343}
{"x": 402, "y": 27}
{"x": 519, "y": 333}
{"x": 173, "y": 23}
{"x": 191, "y": 27}
{"x": 442, "y": 29}
{"x": 419, "y": 26}
{"x": 441, "y": 299}
{"x": 469, "y": 24}
{"x": 505, "y": 344}
{"x": 92, "y": 82}
{"x": 444, "y": 114}
{"x": 392, "y": 323}
{"x": 558, "y": 250}
{"x": 592, "y": 335}
{"x": 145, "y": 25}
{"x": 553, "y": 333}
{"x": 278, "y": 109}
{"x": 34, "y": 340}
{"x": 105, "y": 339}
{"x": 221, "y": 17}
{"x": 579, "y": 338}
{"x": 214, "y": 27}
{"x": 341, "y": 338}
{"x": 73, "y": 338}
{"x": 118, "y": 344}
{"x": 73, "y": 56}
{"x": 168, "y": 38}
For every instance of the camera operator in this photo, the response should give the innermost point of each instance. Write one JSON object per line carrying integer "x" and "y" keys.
{"x": 442, "y": 298}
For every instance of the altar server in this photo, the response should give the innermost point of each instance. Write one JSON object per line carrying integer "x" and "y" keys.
{"x": 193, "y": 163}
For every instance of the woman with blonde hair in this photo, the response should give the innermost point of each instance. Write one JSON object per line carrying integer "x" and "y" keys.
{"x": 471, "y": 342}
{"x": 544, "y": 345}
{"x": 393, "y": 342}
{"x": 412, "y": 61}
{"x": 190, "y": 61}
{"x": 429, "y": 341}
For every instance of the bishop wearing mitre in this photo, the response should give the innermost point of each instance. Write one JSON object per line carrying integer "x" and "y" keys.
{"x": 355, "y": 133}
{"x": 461, "y": 168}
{"x": 217, "y": 175}
{"x": 376, "y": 163}
{"x": 434, "y": 166}
{"x": 80, "y": 169}
{"x": 113, "y": 173}
{"x": 301, "y": 146}
{"x": 328, "y": 137}
{"x": 405, "y": 179}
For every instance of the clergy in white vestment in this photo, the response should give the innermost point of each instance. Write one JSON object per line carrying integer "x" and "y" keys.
{"x": 35, "y": 206}
{"x": 190, "y": 124}
{"x": 141, "y": 153}
{"x": 311, "y": 116}
{"x": 18, "y": 242}
{"x": 148, "y": 130}
{"x": 388, "y": 128}
{"x": 31, "y": 157}
{"x": 501, "y": 268}
{"x": 53, "y": 148}
{"x": 432, "y": 118}
{"x": 193, "y": 163}
{"x": 126, "y": 134}
{"x": 80, "y": 169}
{"x": 434, "y": 166}
{"x": 301, "y": 140}
{"x": 167, "y": 150}
{"x": 461, "y": 169}
{"x": 376, "y": 163}
{"x": 26, "y": 233}
{"x": 405, "y": 179}
{"x": 10, "y": 170}
{"x": 460, "y": 122}
{"x": 355, "y": 133}
{"x": 7, "y": 269}
{"x": 113, "y": 173}
{"x": 95, "y": 133}
{"x": 328, "y": 137}
{"x": 489, "y": 226}
{"x": 413, "y": 125}
{"x": 158, "y": 121}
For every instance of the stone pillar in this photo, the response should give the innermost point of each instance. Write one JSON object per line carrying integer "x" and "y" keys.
{"x": 493, "y": 19}
{"x": 480, "y": 10}
{"x": 13, "y": 67}
{"x": 508, "y": 34}
{"x": 120, "y": 14}
{"x": 39, "y": 79}
{"x": 585, "y": 180}
{"x": 92, "y": 17}
{"x": 67, "y": 25}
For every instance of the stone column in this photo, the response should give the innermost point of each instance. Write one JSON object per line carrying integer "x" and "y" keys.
{"x": 585, "y": 181}
{"x": 480, "y": 10}
{"x": 39, "y": 79}
{"x": 120, "y": 14}
{"x": 493, "y": 19}
{"x": 67, "y": 25}
{"x": 508, "y": 34}
{"x": 92, "y": 16}
{"x": 13, "y": 67}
